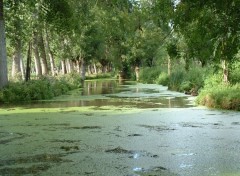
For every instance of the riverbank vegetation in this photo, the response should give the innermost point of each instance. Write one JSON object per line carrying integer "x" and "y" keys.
{"x": 182, "y": 44}
{"x": 43, "y": 88}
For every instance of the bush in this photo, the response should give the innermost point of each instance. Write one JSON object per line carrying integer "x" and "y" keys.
{"x": 163, "y": 79}
{"x": 41, "y": 89}
{"x": 234, "y": 73}
{"x": 176, "y": 78}
{"x": 216, "y": 94}
{"x": 149, "y": 74}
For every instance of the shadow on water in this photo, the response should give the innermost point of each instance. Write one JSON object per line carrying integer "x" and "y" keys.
{"x": 112, "y": 93}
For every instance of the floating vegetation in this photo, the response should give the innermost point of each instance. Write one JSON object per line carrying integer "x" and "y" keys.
{"x": 34, "y": 159}
{"x": 6, "y": 137}
{"x": 133, "y": 154}
{"x": 88, "y": 114}
{"x": 68, "y": 148}
{"x": 86, "y": 127}
{"x": 13, "y": 169}
{"x": 119, "y": 150}
{"x": 24, "y": 170}
{"x": 134, "y": 135}
{"x": 235, "y": 123}
{"x": 157, "y": 128}
{"x": 65, "y": 141}
{"x": 192, "y": 125}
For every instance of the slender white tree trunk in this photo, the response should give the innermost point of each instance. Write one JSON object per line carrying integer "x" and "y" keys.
{"x": 3, "y": 52}
{"x": 22, "y": 68}
{"x": 78, "y": 62}
{"x": 64, "y": 69}
{"x": 36, "y": 55}
{"x": 49, "y": 53}
{"x": 137, "y": 73}
{"x": 225, "y": 71}
{"x": 169, "y": 66}
{"x": 16, "y": 69}
{"x": 69, "y": 65}
{"x": 83, "y": 71}
{"x": 95, "y": 69}
{"x": 42, "y": 52}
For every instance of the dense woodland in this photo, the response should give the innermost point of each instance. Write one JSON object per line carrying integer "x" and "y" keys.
{"x": 189, "y": 45}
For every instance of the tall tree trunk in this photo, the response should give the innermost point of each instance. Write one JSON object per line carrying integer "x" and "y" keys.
{"x": 79, "y": 66}
{"x": 225, "y": 71}
{"x": 69, "y": 66}
{"x": 83, "y": 71}
{"x": 89, "y": 70}
{"x": 28, "y": 67}
{"x": 3, "y": 52}
{"x": 22, "y": 68}
{"x": 50, "y": 54}
{"x": 169, "y": 65}
{"x": 38, "y": 67}
{"x": 187, "y": 64}
{"x": 16, "y": 67}
{"x": 137, "y": 72}
{"x": 42, "y": 53}
{"x": 64, "y": 69}
{"x": 95, "y": 69}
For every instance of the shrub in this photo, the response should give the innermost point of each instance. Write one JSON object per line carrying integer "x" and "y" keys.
{"x": 41, "y": 89}
{"x": 216, "y": 94}
{"x": 149, "y": 74}
{"x": 176, "y": 78}
{"x": 234, "y": 73}
{"x": 163, "y": 79}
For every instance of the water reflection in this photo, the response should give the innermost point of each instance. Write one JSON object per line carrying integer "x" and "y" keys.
{"x": 112, "y": 93}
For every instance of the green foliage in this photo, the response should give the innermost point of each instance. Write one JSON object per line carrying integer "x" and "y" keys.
{"x": 149, "y": 74}
{"x": 213, "y": 81}
{"x": 234, "y": 73}
{"x": 179, "y": 80}
{"x": 42, "y": 89}
{"x": 172, "y": 50}
{"x": 221, "y": 96}
{"x": 163, "y": 79}
{"x": 176, "y": 78}
{"x": 209, "y": 28}
{"x": 100, "y": 76}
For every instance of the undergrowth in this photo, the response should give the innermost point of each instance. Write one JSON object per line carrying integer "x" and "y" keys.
{"x": 40, "y": 89}
{"x": 217, "y": 94}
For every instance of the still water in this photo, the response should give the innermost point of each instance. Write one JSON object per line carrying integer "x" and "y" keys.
{"x": 125, "y": 94}
{"x": 119, "y": 129}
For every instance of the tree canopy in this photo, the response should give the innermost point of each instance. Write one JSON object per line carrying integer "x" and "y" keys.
{"x": 119, "y": 33}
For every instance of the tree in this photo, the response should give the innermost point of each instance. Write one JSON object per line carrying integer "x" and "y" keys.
{"x": 214, "y": 25}
{"x": 172, "y": 53}
{"x": 3, "y": 54}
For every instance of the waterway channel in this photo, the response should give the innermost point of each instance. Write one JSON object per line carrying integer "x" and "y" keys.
{"x": 119, "y": 129}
